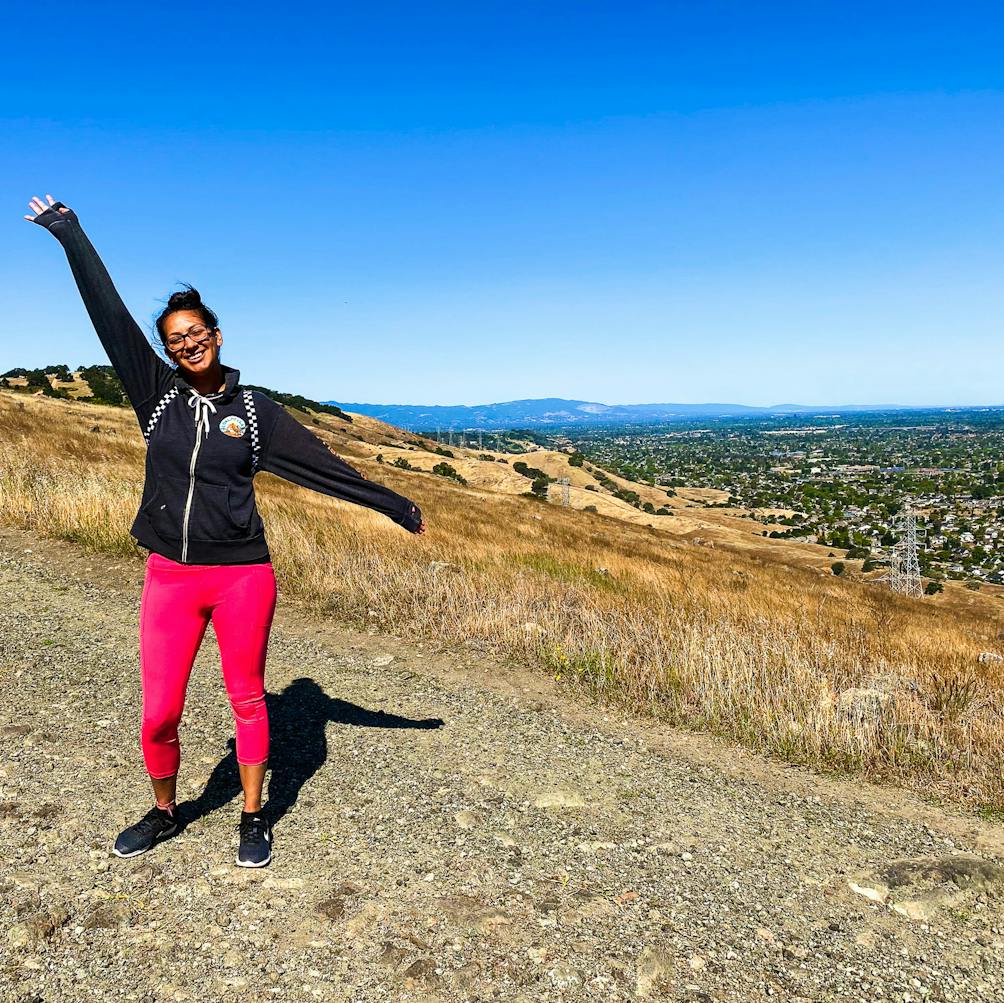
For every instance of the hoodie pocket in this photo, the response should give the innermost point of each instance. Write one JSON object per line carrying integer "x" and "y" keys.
{"x": 166, "y": 507}
{"x": 210, "y": 518}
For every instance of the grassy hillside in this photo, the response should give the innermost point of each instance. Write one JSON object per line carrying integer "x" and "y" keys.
{"x": 718, "y": 632}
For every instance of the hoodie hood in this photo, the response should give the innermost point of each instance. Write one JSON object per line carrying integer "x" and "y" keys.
{"x": 231, "y": 380}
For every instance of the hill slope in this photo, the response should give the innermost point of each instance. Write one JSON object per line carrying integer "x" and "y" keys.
{"x": 781, "y": 657}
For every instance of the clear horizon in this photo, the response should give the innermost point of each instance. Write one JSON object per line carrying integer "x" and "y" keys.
{"x": 663, "y": 204}
{"x": 704, "y": 403}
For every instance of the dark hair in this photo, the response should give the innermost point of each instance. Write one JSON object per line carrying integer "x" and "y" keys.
{"x": 187, "y": 299}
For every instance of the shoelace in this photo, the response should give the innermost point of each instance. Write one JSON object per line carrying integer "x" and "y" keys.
{"x": 253, "y": 829}
{"x": 202, "y": 406}
{"x": 151, "y": 820}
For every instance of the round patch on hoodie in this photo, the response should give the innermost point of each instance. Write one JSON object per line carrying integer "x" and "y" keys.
{"x": 233, "y": 426}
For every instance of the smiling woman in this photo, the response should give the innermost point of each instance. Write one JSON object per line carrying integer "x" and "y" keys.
{"x": 190, "y": 334}
{"x": 198, "y": 518}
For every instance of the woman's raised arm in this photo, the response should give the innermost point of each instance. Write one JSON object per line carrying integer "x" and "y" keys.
{"x": 143, "y": 373}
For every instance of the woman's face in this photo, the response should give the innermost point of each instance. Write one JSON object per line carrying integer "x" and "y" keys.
{"x": 189, "y": 343}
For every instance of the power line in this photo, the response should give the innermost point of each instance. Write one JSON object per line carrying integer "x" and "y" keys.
{"x": 566, "y": 493}
{"x": 904, "y": 566}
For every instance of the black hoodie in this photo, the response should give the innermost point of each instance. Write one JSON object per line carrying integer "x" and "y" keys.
{"x": 202, "y": 454}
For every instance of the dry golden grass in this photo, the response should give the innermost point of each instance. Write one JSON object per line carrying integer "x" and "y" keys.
{"x": 729, "y": 643}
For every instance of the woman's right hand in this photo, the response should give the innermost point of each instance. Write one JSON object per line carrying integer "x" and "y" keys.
{"x": 40, "y": 208}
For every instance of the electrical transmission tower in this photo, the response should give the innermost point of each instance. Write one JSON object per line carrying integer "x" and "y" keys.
{"x": 566, "y": 494}
{"x": 904, "y": 569}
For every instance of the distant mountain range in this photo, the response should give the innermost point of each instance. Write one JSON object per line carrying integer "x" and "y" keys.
{"x": 555, "y": 411}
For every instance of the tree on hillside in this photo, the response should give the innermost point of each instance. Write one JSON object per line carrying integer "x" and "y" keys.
{"x": 106, "y": 387}
{"x": 445, "y": 470}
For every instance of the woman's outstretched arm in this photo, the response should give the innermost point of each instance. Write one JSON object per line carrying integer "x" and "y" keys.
{"x": 296, "y": 454}
{"x": 142, "y": 371}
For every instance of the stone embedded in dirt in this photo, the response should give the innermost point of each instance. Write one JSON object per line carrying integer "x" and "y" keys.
{"x": 106, "y": 916}
{"x": 333, "y": 908}
{"x": 346, "y": 890}
{"x": 590, "y": 906}
{"x": 491, "y": 920}
{"x": 653, "y": 964}
{"x": 963, "y": 871}
{"x": 37, "y": 927}
{"x": 392, "y": 956}
{"x": 989, "y": 656}
{"x": 862, "y": 704}
{"x": 467, "y": 976}
{"x": 595, "y": 846}
{"x": 147, "y": 872}
{"x": 421, "y": 968}
{"x": 920, "y": 910}
{"x": 558, "y": 800}
{"x": 564, "y": 976}
{"x": 874, "y": 893}
{"x": 18, "y": 936}
{"x": 381, "y": 660}
{"x": 920, "y": 889}
{"x": 467, "y": 819}
{"x": 282, "y": 884}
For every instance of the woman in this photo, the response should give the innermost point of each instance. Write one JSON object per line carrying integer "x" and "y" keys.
{"x": 206, "y": 438}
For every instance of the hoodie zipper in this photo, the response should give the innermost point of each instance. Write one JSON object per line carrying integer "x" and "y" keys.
{"x": 188, "y": 500}
{"x": 191, "y": 484}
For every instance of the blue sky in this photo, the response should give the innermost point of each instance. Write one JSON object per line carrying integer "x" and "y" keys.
{"x": 444, "y": 203}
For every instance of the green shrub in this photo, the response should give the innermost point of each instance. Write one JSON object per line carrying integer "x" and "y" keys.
{"x": 445, "y": 470}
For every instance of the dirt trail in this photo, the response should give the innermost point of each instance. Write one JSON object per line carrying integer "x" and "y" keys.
{"x": 447, "y": 830}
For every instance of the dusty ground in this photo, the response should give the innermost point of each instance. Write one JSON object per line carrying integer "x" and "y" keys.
{"x": 447, "y": 829}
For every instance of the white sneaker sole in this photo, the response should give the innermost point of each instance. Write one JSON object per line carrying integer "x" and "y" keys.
{"x": 248, "y": 863}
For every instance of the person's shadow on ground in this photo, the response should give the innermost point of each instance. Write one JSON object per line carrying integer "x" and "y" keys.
{"x": 298, "y": 747}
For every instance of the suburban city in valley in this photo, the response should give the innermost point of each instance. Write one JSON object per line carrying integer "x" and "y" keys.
{"x": 839, "y": 480}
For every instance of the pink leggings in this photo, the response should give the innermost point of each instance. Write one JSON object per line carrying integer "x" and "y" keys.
{"x": 178, "y": 602}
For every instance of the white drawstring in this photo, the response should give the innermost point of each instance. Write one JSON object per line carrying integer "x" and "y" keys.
{"x": 202, "y": 406}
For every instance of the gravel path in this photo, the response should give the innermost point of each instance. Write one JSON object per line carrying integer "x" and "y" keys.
{"x": 445, "y": 831}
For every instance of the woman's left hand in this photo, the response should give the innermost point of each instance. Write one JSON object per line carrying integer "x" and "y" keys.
{"x": 420, "y": 528}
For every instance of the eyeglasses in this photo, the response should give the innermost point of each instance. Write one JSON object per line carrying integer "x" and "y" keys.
{"x": 200, "y": 337}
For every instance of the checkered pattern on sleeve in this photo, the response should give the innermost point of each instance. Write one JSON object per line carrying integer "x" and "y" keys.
{"x": 158, "y": 411}
{"x": 253, "y": 428}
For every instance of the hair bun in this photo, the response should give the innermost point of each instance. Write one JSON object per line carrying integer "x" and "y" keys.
{"x": 187, "y": 299}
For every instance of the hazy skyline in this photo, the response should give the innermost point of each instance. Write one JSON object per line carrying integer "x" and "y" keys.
{"x": 447, "y": 205}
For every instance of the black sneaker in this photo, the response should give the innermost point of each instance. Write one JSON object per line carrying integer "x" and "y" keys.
{"x": 256, "y": 840}
{"x": 155, "y": 825}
